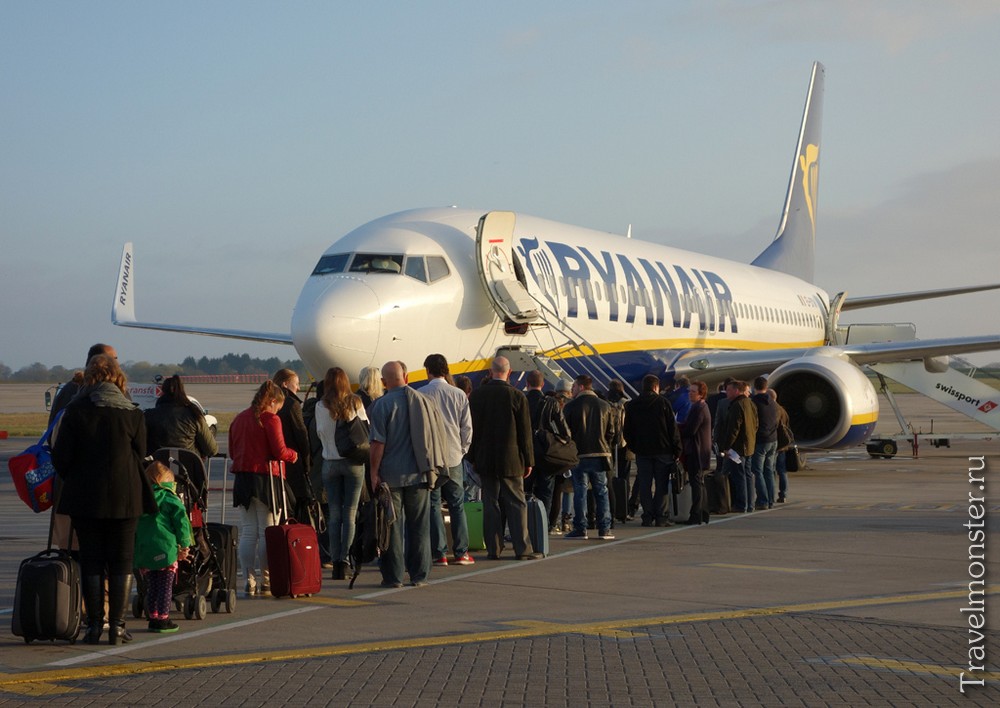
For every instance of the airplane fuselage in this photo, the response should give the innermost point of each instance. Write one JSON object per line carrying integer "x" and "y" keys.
{"x": 639, "y": 304}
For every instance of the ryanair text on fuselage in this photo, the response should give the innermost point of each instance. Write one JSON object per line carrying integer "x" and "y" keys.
{"x": 630, "y": 283}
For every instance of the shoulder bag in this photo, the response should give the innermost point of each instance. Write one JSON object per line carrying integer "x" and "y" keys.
{"x": 352, "y": 440}
{"x": 33, "y": 473}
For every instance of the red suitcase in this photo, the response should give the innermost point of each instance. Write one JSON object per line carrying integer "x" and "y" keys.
{"x": 292, "y": 550}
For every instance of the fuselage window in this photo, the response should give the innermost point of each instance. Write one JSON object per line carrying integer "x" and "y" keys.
{"x": 377, "y": 263}
{"x": 334, "y": 263}
{"x": 437, "y": 268}
{"x": 415, "y": 268}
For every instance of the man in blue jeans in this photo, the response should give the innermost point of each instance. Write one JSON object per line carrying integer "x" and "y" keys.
{"x": 766, "y": 447}
{"x": 736, "y": 441}
{"x": 454, "y": 408}
{"x": 394, "y": 462}
{"x": 592, "y": 425}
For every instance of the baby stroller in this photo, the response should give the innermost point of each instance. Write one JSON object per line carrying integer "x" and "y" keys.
{"x": 208, "y": 576}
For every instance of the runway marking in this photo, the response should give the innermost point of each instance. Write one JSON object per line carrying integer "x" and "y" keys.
{"x": 911, "y": 667}
{"x": 334, "y": 601}
{"x": 30, "y": 683}
{"x": 124, "y": 648}
{"x": 773, "y": 569}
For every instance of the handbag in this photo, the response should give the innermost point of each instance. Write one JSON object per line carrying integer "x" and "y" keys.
{"x": 793, "y": 459}
{"x": 351, "y": 438}
{"x": 33, "y": 473}
{"x": 558, "y": 453}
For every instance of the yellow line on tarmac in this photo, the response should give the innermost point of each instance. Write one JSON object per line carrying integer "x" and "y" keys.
{"x": 772, "y": 569}
{"x": 914, "y": 667}
{"x": 33, "y": 682}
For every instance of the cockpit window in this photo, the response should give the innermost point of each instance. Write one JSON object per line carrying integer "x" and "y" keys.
{"x": 437, "y": 268}
{"x": 376, "y": 263}
{"x": 415, "y": 268}
{"x": 333, "y": 263}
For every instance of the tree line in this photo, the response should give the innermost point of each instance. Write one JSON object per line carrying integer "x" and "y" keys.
{"x": 145, "y": 371}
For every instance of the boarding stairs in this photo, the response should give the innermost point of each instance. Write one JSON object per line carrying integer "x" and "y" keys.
{"x": 504, "y": 283}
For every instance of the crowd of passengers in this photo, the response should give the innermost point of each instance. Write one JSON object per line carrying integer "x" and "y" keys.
{"x": 450, "y": 443}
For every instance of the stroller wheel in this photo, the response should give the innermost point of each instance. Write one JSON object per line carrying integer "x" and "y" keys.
{"x": 137, "y": 607}
{"x": 189, "y": 607}
{"x": 200, "y": 607}
{"x": 218, "y": 597}
{"x": 231, "y": 601}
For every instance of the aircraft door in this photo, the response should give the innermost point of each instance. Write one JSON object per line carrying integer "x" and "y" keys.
{"x": 495, "y": 263}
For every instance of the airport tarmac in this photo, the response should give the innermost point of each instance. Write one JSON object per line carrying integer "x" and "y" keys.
{"x": 851, "y": 593}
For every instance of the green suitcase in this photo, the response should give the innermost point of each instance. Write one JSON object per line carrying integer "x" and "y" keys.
{"x": 474, "y": 518}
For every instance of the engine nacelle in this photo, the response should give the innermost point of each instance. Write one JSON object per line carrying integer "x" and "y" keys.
{"x": 830, "y": 402}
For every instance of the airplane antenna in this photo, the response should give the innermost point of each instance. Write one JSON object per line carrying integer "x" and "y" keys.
{"x": 628, "y": 234}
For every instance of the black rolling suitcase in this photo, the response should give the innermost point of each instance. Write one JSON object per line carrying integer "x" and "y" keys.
{"x": 717, "y": 489}
{"x": 224, "y": 540}
{"x": 47, "y": 598}
{"x": 620, "y": 488}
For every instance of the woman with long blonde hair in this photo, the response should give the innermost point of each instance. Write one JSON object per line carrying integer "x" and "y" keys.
{"x": 370, "y": 386}
{"x": 255, "y": 441}
{"x": 342, "y": 478}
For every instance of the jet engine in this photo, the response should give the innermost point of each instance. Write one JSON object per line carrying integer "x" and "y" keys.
{"x": 830, "y": 402}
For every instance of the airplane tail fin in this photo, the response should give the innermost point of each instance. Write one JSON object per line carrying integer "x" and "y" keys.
{"x": 793, "y": 249}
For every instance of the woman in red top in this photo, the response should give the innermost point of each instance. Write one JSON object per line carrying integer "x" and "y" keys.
{"x": 255, "y": 440}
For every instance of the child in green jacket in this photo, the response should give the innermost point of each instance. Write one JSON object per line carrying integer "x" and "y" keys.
{"x": 161, "y": 540}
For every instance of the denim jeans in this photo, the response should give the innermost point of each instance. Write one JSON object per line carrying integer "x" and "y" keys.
{"x": 591, "y": 469}
{"x": 653, "y": 471}
{"x": 343, "y": 481}
{"x": 412, "y": 506}
{"x": 473, "y": 492}
{"x": 454, "y": 494}
{"x": 542, "y": 487}
{"x": 763, "y": 471}
{"x": 779, "y": 467}
{"x": 740, "y": 483}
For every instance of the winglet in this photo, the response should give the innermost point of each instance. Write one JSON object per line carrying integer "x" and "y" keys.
{"x": 793, "y": 249}
{"x": 123, "y": 310}
{"x": 123, "y": 307}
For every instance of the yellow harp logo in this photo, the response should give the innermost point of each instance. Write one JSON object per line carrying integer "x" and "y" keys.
{"x": 809, "y": 162}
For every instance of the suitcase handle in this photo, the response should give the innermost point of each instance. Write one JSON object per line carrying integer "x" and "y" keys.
{"x": 282, "y": 516}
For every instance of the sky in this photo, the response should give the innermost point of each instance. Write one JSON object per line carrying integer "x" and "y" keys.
{"x": 233, "y": 142}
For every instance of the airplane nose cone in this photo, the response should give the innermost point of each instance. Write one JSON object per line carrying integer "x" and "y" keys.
{"x": 336, "y": 322}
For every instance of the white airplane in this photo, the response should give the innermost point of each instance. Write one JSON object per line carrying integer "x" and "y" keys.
{"x": 471, "y": 284}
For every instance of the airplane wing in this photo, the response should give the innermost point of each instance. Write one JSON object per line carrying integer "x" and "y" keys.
{"x": 743, "y": 364}
{"x": 856, "y": 303}
{"x": 123, "y": 310}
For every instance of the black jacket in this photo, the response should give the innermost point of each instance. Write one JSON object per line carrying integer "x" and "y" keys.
{"x": 172, "y": 424}
{"x": 593, "y": 425}
{"x": 501, "y": 431}
{"x": 767, "y": 418}
{"x": 650, "y": 428}
{"x": 99, "y": 453}
{"x": 696, "y": 434}
{"x": 293, "y": 428}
